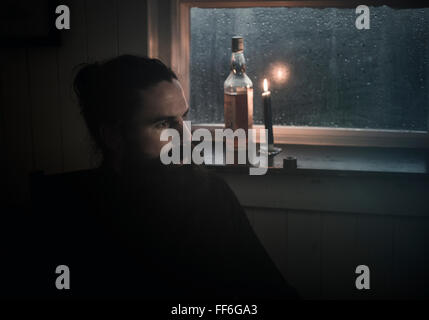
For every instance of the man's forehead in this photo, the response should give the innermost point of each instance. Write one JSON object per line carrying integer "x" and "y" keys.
{"x": 165, "y": 99}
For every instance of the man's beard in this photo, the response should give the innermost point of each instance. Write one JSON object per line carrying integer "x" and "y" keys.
{"x": 135, "y": 162}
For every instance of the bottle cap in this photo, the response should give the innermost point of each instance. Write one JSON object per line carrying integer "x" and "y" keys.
{"x": 237, "y": 44}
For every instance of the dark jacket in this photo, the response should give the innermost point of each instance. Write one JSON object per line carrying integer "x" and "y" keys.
{"x": 166, "y": 232}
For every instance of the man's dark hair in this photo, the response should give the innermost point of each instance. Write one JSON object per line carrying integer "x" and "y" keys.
{"x": 108, "y": 92}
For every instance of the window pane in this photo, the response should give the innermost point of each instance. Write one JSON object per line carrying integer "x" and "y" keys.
{"x": 336, "y": 75}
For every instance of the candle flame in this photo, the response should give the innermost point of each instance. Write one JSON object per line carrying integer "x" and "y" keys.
{"x": 265, "y": 85}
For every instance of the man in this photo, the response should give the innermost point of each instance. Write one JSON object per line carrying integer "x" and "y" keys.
{"x": 137, "y": 228}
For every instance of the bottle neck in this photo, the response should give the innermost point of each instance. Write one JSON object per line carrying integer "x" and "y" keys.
{"x": 238, "y": 63}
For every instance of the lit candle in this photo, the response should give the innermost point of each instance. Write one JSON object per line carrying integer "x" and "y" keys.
{"x": 268, "y": 120}
{"x": 268, "y": 117}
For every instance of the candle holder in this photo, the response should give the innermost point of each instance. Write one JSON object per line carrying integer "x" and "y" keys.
{"x": 271, "y": 151}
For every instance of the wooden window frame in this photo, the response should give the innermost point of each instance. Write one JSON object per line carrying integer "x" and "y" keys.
{"x": 169, "y": 39}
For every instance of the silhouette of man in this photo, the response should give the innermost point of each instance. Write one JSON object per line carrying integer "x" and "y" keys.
{"x": 134, "y": 227}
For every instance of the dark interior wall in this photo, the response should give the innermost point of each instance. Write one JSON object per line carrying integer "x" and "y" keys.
{"x": 40, "y": 124}
{"x": 318, "y": 229}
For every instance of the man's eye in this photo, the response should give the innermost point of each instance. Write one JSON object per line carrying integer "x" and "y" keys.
{"x": 162, "y": 124}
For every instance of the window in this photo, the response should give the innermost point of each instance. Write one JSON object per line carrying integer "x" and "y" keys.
{"x": 324, "y": 71}
{"x": 328, "y": 79}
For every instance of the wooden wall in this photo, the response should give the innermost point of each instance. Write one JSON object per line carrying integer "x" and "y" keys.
{"x": 318, "y": 249}
{"x": 318, "y": 252}
{"x": 40, "y": 124}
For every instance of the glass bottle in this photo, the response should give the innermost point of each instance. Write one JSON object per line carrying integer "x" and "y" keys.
{"x": 238, "y": 91}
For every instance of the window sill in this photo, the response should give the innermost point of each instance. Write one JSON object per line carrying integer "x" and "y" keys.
{"x": 349, "y": 137}
{"x": 344, "y": 161}
{"x": 337, "y": 179}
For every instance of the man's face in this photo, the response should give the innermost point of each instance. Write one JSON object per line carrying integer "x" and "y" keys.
{"x": 163, "y": 106}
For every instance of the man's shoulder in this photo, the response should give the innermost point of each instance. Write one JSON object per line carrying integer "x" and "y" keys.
{"x": 70, "y": 180}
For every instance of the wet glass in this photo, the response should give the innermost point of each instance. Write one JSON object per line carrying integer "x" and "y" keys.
{"x": 323, "y": 71}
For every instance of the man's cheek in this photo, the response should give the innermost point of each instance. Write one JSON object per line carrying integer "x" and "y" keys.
{"x": 154, "y": 144}
{"x": 161, "y": 144}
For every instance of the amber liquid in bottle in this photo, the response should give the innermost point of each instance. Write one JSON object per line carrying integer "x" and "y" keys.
{"x": 238, "y": 92}
{"x": 238, "y": 109}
